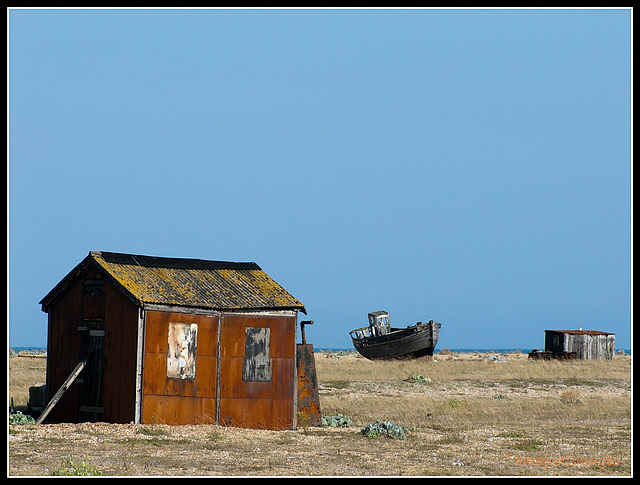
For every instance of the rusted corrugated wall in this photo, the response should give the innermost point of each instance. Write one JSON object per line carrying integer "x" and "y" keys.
{"x": 253, "y": 397}
{"x": 256, "y": 377}
{"x": 167, "y": 396}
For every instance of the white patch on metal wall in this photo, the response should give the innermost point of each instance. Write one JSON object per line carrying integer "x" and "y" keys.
{"x": 181, "y": 355}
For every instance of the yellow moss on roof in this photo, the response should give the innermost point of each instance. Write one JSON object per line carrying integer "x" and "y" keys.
{"x": 218, "y": 288}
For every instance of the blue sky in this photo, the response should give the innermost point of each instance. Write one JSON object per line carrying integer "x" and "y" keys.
{"x": 467, "y": 166}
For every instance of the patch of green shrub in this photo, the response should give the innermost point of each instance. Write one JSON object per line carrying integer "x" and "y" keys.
{"x": 337, "y": 421}
{"x": 19, "y": 418}
{"x": 384, "y": 428}
{"x": 419, "y": 378}
{"x": 70, "y": 469}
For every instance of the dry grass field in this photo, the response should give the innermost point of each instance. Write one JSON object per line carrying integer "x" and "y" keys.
{"x": 464, "y": 415}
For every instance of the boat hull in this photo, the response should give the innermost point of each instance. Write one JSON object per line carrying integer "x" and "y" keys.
{"x": 400, "y": 343}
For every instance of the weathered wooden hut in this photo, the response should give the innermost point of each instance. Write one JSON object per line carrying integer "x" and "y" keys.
{"x": 587, "y": 344}
{"x": 172, "y": 340}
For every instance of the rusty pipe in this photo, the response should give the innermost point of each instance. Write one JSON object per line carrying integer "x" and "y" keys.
{"x": 302, "y": 324}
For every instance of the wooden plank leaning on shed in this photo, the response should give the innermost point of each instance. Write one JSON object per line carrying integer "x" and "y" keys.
{"x": 54, "y": 400}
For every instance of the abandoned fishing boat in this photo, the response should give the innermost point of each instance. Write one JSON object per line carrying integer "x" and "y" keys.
{"x": 379, "y": 340}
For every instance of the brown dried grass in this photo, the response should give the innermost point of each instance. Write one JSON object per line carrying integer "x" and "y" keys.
{"x": 473, "y": 392}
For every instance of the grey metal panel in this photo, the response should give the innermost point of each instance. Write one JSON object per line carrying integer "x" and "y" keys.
{"x": 256, "y": 366}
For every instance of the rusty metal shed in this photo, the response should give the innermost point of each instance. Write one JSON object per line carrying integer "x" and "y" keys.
{"x": 587, "y": 344}
{"x": 172, "y": 340}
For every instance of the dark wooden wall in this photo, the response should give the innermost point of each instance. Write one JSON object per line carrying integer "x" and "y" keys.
{"x": 121, "y": 339}
{"x": 93, "y": 315}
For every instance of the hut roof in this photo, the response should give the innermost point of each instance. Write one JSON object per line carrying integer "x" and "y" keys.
{"x": 581, "y": 332}
{"x": 215, "y": 285}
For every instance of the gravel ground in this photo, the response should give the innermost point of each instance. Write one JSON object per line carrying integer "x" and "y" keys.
{"x": 161, "y": 450}
{"x": 589, "y": 446}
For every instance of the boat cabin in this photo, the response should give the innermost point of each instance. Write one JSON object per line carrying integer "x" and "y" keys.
{"x": 379, "y": 323}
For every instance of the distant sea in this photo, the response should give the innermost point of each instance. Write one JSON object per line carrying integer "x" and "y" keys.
{"x": 318, "y": 349}
{"x": 19, "y": 349}
{"x": 465, "y": 351}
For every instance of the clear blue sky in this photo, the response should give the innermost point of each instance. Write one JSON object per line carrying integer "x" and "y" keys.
{"x": 467, "y": 166}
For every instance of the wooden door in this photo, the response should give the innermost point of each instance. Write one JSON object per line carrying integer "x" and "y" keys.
{"x": 92, "y": 335}
{"x": 90, "y": 407}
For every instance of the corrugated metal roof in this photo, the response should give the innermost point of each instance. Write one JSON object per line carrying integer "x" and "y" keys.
{"x": 581, "y": 332}
{"x": 218, "y": 285}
